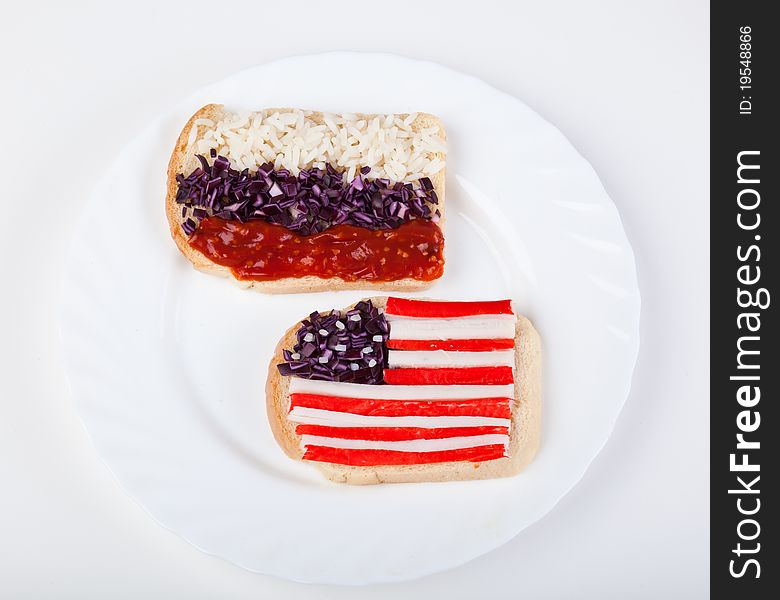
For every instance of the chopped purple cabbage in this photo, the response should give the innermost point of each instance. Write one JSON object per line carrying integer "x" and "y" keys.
{"x": 347, "y": 353}
{"x": 309, "y": 203}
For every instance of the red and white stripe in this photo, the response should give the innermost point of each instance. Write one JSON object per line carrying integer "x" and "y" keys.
{"x": 450, "y": 384}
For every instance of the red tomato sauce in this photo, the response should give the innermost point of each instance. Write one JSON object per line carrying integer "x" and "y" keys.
{"x": 262, "y": 251}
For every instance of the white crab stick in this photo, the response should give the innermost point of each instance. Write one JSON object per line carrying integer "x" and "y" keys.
{"x": 444, "y": 359}
{"x": 399, "y": 392}
{"x": 461, "y": 328}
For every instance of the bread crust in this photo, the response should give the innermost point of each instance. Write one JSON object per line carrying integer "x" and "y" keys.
{"x": 523, "y": 437}
{"x": 183, "y": 160}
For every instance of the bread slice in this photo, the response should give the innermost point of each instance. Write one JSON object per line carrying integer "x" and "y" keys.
{"x": 524, "y": 430}
{"x": 183, "y": 160}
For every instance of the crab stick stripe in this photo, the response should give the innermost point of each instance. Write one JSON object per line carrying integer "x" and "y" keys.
{"x": 316, "y": 416}
{"x": 463, "y": 328}
{"x": 403, "y": 307}
{"x": 472, "y": 345}
{"x": 344, "y": 456}
{"x": 443, "y": 358}
{"x": 298, "y": 385}
{"x": 450, "y": 376}
{"x": 435, "y": 445}
{"x": 481, "y": 407}
{"x": 397, "y": 433}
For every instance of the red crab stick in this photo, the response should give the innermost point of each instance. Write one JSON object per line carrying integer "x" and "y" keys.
{"x": 394, "y": 434}
{"x": 481, "y": 407}
{"x": 403, "y": 307}
{"x": 364, "y": 458}
{"x": 479, "y": 345}
{"x": 450, "y": 376}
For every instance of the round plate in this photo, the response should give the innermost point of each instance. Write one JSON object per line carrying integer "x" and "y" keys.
{"x": 167, "y": 365}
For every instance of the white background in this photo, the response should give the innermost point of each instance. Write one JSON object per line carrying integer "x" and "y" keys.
{"x": 627, "y": 82}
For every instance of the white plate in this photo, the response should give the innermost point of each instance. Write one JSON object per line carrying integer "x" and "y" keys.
{"x": 167, "y": 365}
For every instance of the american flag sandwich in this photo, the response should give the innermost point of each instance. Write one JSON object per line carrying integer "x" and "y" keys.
{"x": 402, "y": 390}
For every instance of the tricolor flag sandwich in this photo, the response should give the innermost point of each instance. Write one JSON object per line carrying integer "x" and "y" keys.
{"x": 399, "y": 390}
{"x": 290, "y": 200}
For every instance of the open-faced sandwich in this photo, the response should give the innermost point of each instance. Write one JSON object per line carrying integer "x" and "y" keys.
{"x": 398, "y": 390}
{"x": 289, "y": 200}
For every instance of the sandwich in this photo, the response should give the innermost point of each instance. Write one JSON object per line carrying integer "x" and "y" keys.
{"x": 290, "y": 200}
{"x": 400, "y": 390}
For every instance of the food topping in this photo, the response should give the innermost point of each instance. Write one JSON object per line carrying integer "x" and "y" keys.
{"x": 448, "y": 358}
{"x": 480, "y": 326}
{"x": 465, "y": 345}
{"x": 473, "y": 407}
{"x": 308, "y": 202}
{"x": 396, "y": 434}
{"x": 450, "y": 376}
{"x": 433, "y": 405}
{"x": 340, "y": 347}
{"x": 399, "y": 392}
{"x": 396, "y": 147}
{"x": 371, "y": 458}
{"x": 415, "y": 445}
{"x": 406, "y": 307}
{"x": 260, "y": 251}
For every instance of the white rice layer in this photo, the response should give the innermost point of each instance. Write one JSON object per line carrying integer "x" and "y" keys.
{"x": 295, "y": 141}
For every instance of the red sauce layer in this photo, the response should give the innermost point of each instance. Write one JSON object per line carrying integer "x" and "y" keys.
{"x": 370, "y": 458}
{"x": 262, "y": 251}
